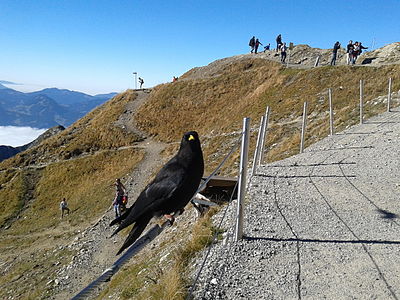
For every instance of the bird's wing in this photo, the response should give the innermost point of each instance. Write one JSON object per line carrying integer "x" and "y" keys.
{"x": 154, "y": 196}
{"x": 160, "y": 190}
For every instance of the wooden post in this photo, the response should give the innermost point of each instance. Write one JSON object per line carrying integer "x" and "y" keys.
{"x": 303, "y": 127}
{"x": 266, "y": 120}
{"x": 330, "y": 112}
{"x": 389, "y": 94}
{"x": 258, "y": 146}
{"x": 242, "y": 179}
{"x": 361, "y": 101}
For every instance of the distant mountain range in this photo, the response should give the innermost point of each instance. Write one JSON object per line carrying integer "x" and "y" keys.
{"x": 46, "y": 108}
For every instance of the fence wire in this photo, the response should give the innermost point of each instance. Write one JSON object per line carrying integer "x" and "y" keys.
{"x": 190, "y": 294}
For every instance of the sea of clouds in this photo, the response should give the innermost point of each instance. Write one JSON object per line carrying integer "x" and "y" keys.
{"x": 18, "y": 136}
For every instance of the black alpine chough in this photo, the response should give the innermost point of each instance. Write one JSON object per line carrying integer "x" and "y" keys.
{"x": 170, "y": 191}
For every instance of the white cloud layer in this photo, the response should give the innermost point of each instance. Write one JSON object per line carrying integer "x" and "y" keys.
{"x": 18, "y": 136}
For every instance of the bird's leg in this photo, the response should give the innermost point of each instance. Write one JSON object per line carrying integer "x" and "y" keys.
{"x": 170, "y": 219}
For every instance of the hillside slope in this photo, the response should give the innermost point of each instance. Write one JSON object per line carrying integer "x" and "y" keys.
{"x": 81, "y": 162}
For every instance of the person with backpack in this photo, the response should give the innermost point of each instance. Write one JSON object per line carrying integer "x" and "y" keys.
{"x": 64, "y": 207}
{"x": 283, "y": 49}
{"x": 278, "y": 42}
{"x": 119, "y": 194}
{"x": 252, "y": 43}
{"x": 336, "y": 47}
{"x": 256, "y": 45}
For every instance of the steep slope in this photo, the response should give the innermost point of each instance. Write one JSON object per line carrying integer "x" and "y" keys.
{"x": 214, "y": 99}
{"x": 82, "y": 161}
{"x": 79, "y": 164}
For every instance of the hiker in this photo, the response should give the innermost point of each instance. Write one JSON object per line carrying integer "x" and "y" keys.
{"x": 283, "y": 49}
{"x": 141, "y": 81}
{"x": 267, "y": 47}
{"x": 119, "y": 194}
{"x": 355, "y": 53}
{"x": 278, "y": 42}
{"x": 174, "y": 79}
{"x": 258, "y": 43}
{"x": 252, "y": 43}
{"x": 336, "y": 47}
{"x": 64, "y": 207}
{"x": 362, "y": 47}
{"x": 349, "y": 52}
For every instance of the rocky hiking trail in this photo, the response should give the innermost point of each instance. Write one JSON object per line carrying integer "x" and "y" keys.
{"x": 319, "y": 225}
{"x": 94, "y": 247}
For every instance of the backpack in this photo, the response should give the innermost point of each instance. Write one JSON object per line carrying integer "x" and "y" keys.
{"x": 124, "y": 199}
{"x": 252, "y": 42}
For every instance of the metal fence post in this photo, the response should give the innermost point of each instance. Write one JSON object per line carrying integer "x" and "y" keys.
{"x": 389, "y": 94}
{"x": 330, "y": 112}
{"x": 361, "y": 101}
{"x": 258, "y": 146}
{"x": 317, "y": 61}
{"x": 265, "y": 128}
{"x": 303, "y": 127}
{"x": 242, "y": 179}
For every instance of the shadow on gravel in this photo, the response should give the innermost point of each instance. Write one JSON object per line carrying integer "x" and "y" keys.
{"x": 357, "y": 133}
{"x": 305, "y": 176}
{"x": 322, "y": 241}
{"x": 344, "y": 148}
{"x": 311, "y": 165}
{"x": 387, "y": 214}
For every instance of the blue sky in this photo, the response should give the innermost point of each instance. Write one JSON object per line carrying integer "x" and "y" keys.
{"x": 95, "y": 46}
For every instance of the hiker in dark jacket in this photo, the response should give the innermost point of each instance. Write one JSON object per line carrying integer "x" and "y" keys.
{"x": 349, "y": 52}
{"x": 278, "y": 42}
{"x": 252, "y": 43}
{"x": 257, "y": 44}
{"x": 362, "y": 47}
{"x": 336, "y": 47}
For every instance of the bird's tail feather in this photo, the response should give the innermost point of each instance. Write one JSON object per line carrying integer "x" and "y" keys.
{"x": 136, "y": 231}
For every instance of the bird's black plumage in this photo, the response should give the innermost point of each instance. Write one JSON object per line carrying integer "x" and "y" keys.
{"x": 170, "y": 191}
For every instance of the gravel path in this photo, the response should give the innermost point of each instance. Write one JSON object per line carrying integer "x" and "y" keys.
{"x": 95, "y": 250}
{"x": 320, "y": 225}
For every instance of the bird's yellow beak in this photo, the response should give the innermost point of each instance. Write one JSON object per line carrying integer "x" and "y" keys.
{"x": 191, "y": 137}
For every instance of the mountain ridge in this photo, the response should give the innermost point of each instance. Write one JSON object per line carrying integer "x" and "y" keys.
{"x": 46, "y": 108}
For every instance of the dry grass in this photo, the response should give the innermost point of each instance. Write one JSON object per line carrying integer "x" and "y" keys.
{"x": 82, "y": 161}
{"x": 215, "y": 106}
{"x": 84, "y": 182}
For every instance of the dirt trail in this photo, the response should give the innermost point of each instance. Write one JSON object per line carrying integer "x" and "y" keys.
{"x": 96, "y": 251}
